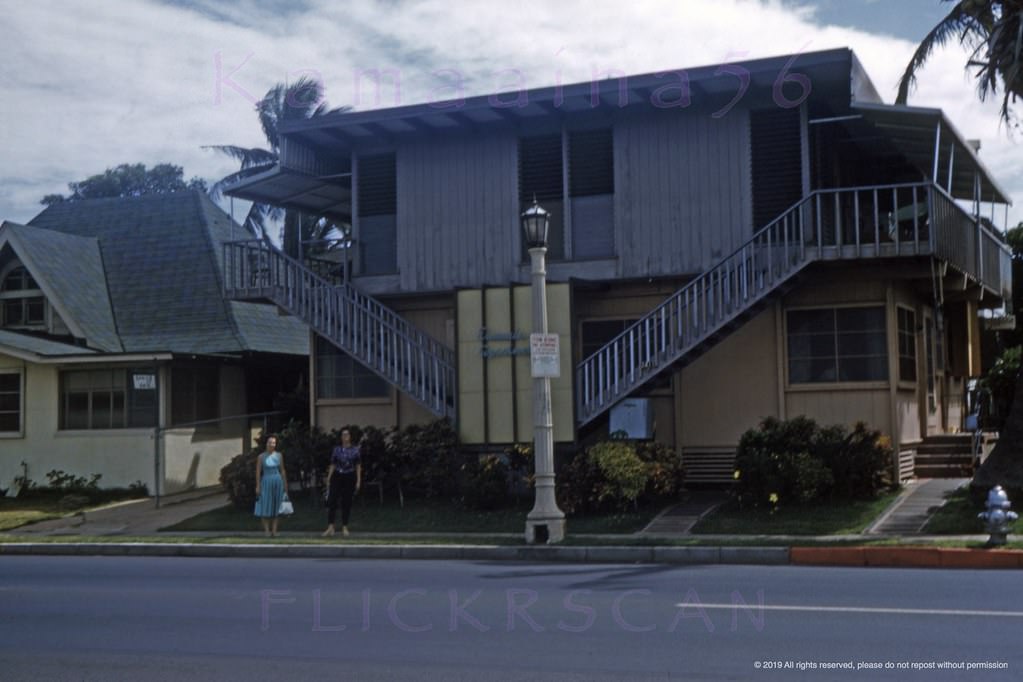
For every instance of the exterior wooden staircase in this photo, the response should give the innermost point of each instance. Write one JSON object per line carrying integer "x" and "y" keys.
{"x": 885, "y": 221}
{"x": 358, "y": 324}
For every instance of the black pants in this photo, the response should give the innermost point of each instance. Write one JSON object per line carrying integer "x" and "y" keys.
{"x": 342, "y": 487}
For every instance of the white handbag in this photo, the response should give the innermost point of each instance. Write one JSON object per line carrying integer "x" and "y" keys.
{"x": 286, "y": 508}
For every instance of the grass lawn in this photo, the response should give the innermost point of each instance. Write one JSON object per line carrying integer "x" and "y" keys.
{"x": 33, "y": 507}
{"x": 418, "y": 516}
{"x": 834, "y": 519}
{"x": 958, "y": 516}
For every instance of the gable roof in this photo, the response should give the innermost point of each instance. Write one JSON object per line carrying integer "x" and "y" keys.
{"x": 69, "y": 270}
{"x": 160, "y": 255}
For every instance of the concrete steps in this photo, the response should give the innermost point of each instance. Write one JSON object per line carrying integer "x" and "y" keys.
{"x": 945, "y": 456}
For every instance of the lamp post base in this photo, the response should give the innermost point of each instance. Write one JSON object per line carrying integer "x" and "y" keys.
{"x": 541, "y": 531}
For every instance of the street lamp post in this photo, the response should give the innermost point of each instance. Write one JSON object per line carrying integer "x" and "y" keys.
{"x": 545, "y": 523}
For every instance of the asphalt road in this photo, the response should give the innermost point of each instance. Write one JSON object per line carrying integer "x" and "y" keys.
{"x": 95, "y": 618}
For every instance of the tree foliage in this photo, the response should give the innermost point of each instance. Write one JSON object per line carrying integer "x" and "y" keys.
{"x": 993, "y": 32}
{"x": 128, "y": 180}
{"x": 282, "y": 103}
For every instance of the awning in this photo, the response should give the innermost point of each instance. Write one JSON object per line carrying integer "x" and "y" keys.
{"x": 329, "y": 196}
{"x": 914, "y": 132}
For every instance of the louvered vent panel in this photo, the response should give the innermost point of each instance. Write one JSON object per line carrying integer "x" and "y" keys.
{"x": 777, "y": 172}
{"x": 540, "y": 168}
{"x": 377, "y": 183}
{"x": 591, "y": 161}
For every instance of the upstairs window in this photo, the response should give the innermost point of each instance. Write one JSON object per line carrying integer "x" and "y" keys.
{"x": 378, "y": 208}
{"x": 591, "y": 186}
{"x": 541, "y": 176}
{"x": 22, "y": 303}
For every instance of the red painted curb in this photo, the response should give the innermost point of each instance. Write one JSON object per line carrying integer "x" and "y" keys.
{"x": 916, "y": 557}
{"x": 907, "y": 557}
{"x": 981, "y": 558}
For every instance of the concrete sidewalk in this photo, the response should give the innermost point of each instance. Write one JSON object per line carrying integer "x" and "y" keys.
{"x": 132, "y": 517}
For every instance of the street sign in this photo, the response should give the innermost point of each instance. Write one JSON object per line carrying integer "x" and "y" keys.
{"x": 545, "y": 355}
{"x": 1001, "y": 323}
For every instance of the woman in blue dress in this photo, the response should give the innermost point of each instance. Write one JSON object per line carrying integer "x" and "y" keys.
{"x": 271, "y": 486}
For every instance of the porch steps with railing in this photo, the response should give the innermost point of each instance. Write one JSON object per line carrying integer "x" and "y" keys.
{"x": 945, "y": 456}
{"x": 906, "y": 220}
{"x": 355, "y": 322}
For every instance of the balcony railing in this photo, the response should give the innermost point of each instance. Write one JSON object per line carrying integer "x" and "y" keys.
{"x": 872, "y": 222}
{"x": 358, "y": 324}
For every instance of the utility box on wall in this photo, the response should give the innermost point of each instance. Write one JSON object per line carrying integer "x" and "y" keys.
{"x": 634, "y": 417}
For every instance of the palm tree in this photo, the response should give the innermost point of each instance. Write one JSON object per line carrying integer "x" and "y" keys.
{"x": 993, "y": 31}
{"x": 282, "y": 103}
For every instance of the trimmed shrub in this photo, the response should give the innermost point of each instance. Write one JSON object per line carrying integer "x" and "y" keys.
{"x": 860, "y": 462}
{"x": 619, "y": 473}
{"x": 666, "y": 476}
{"x": 485, "y": 483}
{"x": 306, "y": 452}
{"x": 239, "y": 479}
{"x": 624, "y": 474}
{"x": 426, "y": 458}
{"x": 578, "y": 485}
{"x": 798, "y": 462}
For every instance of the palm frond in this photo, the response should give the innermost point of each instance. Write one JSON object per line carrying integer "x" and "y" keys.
{"x": 249, "y": 157}
{"x": 958, "y": 22}
{"x": 258, "y": 216}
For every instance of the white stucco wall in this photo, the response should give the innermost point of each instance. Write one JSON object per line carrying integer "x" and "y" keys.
{"x": 190, "y": 457}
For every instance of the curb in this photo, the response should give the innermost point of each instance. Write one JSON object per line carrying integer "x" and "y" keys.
{"x": 907, "y": 557}
{"x": 663, "y": 555}
{"x": 887, "y": 557}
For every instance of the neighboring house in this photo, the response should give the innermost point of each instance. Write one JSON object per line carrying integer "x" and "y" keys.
{"x": 113, "y": 324}
{"x": 729, "y": 242}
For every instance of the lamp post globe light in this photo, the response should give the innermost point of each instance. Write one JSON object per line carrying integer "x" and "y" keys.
{"x": 545, "y": 523}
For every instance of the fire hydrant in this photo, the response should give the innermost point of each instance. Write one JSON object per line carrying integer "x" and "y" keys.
{"x": 997, "y": 517}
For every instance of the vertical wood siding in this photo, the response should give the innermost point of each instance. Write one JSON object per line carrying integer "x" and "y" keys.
{"x": 682, "y": 190}
{"x": 457, "y": 211}
{"x": 682, "y": 200}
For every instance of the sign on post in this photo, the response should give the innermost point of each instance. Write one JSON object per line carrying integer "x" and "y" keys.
{"x": 545, "y": 355}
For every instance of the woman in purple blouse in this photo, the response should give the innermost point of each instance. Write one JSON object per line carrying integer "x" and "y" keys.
{"x": 344, "y": 478}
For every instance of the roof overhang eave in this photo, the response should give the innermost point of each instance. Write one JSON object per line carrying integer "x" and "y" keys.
{"x": 915, "y": 123}
{"x": 291, "y": 189}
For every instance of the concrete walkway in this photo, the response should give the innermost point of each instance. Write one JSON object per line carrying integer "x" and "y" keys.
{"x": 133, "y": 517}
{"x": 914, "y": 507}
{"x": 679, "y": 519}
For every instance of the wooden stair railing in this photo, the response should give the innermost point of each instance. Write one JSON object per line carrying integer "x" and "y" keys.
{"x": 355, "y": 322}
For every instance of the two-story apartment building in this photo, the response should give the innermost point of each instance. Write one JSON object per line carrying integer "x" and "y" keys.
{"x": 730, "y": 242}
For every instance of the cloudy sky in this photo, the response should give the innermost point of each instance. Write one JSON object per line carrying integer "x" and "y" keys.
{"x": 89, "y": 84}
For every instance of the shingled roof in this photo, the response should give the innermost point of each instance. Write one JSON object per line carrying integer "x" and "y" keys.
{"x": 70, "y": 270}
{"x": 161, "y": 261}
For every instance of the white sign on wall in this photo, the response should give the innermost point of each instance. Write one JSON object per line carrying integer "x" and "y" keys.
{"x": 144, "y": 382}
{"x": 545, "y": 355}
